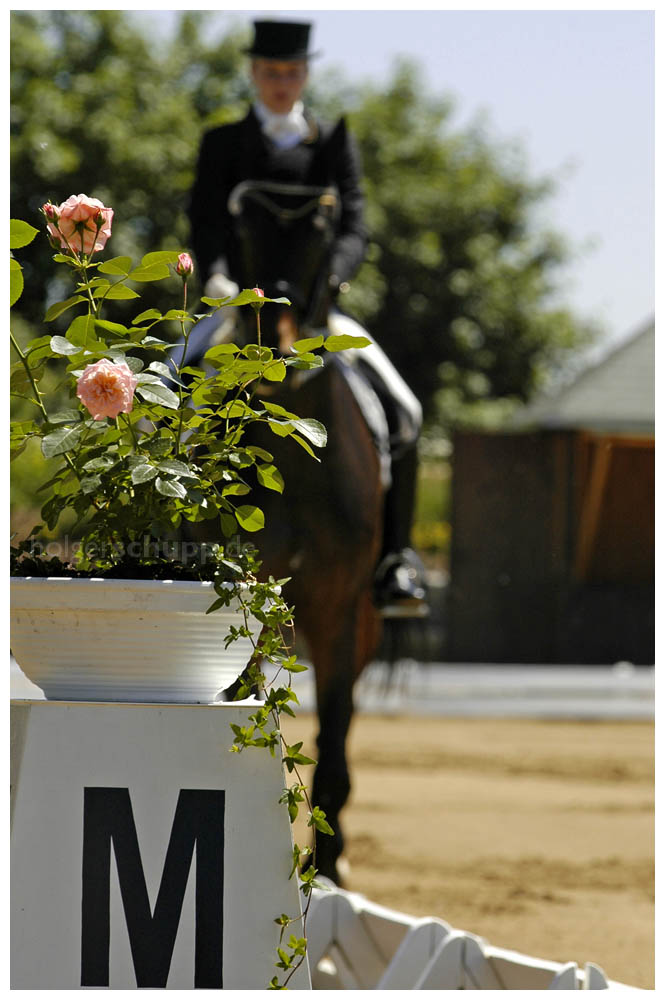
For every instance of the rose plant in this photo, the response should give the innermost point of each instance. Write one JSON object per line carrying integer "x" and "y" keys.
{"x": 147, "y": 447}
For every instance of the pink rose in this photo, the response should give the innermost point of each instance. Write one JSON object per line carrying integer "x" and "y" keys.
{"x": 107, "y": 388}
{"x": 259, "y": 291}
{"x": 81, "y": 224}
{"x": 184, "y": 266}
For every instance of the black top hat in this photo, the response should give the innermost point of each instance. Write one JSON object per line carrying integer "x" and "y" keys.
{"x": 280, "y": 40}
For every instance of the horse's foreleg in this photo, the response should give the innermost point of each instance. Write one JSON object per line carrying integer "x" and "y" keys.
{"x": 335, "y": 672}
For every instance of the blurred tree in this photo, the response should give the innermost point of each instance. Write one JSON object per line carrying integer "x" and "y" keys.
{"x": 98, "y": 107}
{"x": 458, "y": 281}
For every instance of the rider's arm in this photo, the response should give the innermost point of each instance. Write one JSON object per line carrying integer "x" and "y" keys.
{"x": 207, "y": 210}
{"x": 351, "y": 243}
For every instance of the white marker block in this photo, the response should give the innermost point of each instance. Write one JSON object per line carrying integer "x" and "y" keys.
{"x": 143, "y": 853}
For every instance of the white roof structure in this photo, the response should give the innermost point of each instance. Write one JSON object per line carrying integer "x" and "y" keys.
{"x": 617, "y": 394}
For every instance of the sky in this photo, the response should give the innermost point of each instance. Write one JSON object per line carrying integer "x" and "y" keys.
{"x": 573, "y": 89}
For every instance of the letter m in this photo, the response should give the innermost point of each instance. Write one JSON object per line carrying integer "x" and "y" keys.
{"x": 199, "y": 820}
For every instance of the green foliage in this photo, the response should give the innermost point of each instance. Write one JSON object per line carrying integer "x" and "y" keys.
{"x": 458, "y": 277}
{"x": 132, "y": 468}
{"x": 97, "y": 106}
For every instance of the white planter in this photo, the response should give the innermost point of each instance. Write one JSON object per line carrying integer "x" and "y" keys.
{"x": 125, "y": 640}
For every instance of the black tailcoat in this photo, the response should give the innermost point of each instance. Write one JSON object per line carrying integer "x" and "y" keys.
{"x": 241, "y": 152}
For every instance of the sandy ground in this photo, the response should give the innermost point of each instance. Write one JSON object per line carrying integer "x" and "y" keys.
{"x": 537, "y": 835}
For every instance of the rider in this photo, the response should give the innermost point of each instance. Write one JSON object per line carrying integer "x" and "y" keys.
{"x": 280, "y": 141}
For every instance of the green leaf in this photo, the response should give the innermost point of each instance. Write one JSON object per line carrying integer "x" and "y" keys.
{"x": 116, "y": 265}
{"x": 20, "y": 233}
{"x": 228, "y": 524}
{"x": 117, "y": 291}
{"x": 170, "y": 488}
{"x": 109, "y": 327}
{"x": 313, "y": 430}
{"x": 307, "y": 344}
{"x": 64, "y": 416}
{"x": 160, "y": 257}
{"x": 16, "y": 282}
{"x": 257, "y": 452}
{"x": 305, "y": 445}
{"x": 275, "y": 372}
{"x": 160, "y": 394}
{"x": 235, "y": 490}
{"x": 60, "y": 441}
{"x": 317, "y": 818}
{"x": 101, "y": 463}
{"x": 250, "y": 518}
{"x": 344, "y": 342}
{"x": 58, "y": 308}
{"x": 143, "y": 473}
{"x": 175, "y": 468}
{"x": 147, "y": 314}
{"x": 89, "y": 484}
{"x": 153, "y": 272}
{"x": 81, "y": 331}
{"x": 270, "y": 477}
{"x": 60, "y": 345}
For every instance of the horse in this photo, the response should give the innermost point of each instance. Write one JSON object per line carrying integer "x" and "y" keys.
{"x": 324, "y": 532}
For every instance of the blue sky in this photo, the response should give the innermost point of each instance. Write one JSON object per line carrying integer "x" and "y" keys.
{"x": 575, "y": 91}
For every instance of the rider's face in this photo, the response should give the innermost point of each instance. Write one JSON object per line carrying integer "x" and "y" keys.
{"x": 279, "y": 84}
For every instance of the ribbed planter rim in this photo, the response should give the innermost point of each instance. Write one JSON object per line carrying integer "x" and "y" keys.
{"x": 95, "y": 639}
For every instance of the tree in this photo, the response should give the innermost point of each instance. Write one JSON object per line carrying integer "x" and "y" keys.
{"x": 458, "y": 278}
{"x": 97, "y": 107}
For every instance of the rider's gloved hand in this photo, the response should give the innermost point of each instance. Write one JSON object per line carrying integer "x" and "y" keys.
{"x": 218, "y": 286}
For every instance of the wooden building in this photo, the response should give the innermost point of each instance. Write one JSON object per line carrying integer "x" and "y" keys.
{"x": 552, "y": 555}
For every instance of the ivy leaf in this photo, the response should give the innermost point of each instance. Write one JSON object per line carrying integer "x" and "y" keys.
{"x": 317, "y": 818}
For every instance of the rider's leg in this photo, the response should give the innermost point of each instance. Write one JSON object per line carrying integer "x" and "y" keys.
{"x": 399, "y": 580}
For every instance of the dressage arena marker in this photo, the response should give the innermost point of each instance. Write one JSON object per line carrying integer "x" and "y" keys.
{"x": 143, "y": 852}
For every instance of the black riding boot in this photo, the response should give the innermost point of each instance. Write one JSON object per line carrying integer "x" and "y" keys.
{"x": 399, "y": 581}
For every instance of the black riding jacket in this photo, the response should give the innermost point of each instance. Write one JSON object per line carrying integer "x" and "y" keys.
{"x": 240, "y": 152}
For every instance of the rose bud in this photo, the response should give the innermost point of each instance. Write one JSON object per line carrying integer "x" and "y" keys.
{"x": 184, "y": 266}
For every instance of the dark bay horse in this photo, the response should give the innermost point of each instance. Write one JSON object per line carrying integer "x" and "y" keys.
{"x": 325, "y": 530}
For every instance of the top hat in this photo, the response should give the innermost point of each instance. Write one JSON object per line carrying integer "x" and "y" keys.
{"x": 285, "y": 40}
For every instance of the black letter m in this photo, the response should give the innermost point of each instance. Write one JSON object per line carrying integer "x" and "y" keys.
{"x": 199, "y": 819}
